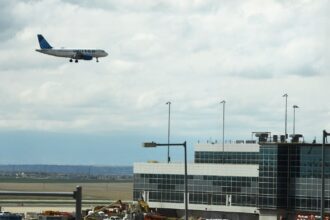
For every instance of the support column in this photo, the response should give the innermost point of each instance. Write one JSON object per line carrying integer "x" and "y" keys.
{"x": 78, "y": 197}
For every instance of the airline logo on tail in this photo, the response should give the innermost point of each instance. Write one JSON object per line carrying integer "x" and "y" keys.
{"x": 43, "y": 43}
{"x": 72, "y": 54}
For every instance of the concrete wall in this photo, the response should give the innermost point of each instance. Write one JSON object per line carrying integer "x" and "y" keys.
{"x": 220, "y": 215}
{"x": 272, "y": 214}
{"x": 249, "y": 170}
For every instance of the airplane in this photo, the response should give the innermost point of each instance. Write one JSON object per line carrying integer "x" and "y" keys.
{"x": 73, "y": 54}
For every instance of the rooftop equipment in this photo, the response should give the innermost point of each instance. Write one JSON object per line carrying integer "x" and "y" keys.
{"x": 262, "y": 136}
{"x": 295, "y": 138}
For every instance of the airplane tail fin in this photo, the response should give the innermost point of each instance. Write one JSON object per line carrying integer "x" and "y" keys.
{"x": 43, "y": 43}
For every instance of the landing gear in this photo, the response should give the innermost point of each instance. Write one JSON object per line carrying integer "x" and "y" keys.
{"x": 70, "y": 60}
{"x": 97, "y": 59}
{"x": 76, "y": 61}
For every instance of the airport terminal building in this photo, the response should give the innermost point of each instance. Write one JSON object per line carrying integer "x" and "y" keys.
{"x": 248, "y": 180}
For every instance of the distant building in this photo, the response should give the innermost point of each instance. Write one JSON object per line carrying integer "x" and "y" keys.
{"x": 269, "y": 180}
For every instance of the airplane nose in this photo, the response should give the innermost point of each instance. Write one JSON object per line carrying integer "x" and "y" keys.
{"x": 105, "y": 53}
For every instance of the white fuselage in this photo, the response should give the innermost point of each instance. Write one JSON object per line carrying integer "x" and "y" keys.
{"x": 72, "y": 53}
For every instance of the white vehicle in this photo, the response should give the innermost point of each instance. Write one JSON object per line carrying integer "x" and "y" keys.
{"x": 73, "y": 54}
{"x": 113, "y": 218}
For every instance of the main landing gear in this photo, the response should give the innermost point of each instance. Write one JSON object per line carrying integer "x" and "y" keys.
{"x": 97, "y": 59}
{"x": 71, "y": 60}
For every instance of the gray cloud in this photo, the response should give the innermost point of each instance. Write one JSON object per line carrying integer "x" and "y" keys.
{"x": 8, "y": 24}
{"x": 193, "y": 53}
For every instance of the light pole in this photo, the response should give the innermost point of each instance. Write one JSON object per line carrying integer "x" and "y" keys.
{"x": 286, "y": 113}
{"x": 168, "y": 132}
{"x": 184, "y": 144}
{"x": 294, "y": 119}
{"x": 223, "y": 102}
{"x": 325, "y": 135}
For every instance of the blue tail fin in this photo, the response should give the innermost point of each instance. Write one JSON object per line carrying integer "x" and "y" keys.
{"x": 43, "y": 43}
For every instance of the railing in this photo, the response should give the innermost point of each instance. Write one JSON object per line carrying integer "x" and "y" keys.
{"x": 77, "y": 195}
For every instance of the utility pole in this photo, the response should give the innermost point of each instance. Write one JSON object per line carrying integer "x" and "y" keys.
{"x": 184, "y": 144}
{"x": 294, "y": 118}
{"x": 286, "y": 115}
{"x": 223, "y": 102}
{"x": 168, "y": 132}
{"x": 325, "y": 134}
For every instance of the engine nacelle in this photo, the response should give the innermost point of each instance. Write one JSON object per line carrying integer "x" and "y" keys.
{"x": 87, "y": 57}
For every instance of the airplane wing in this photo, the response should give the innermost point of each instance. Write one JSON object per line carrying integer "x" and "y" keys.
{"x": 82, "y": 56}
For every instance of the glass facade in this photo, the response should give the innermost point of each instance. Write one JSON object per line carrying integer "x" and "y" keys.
{"x": 227, "y": 157}
{"x": 209, "y": 190}
{"x": 272, "y": 177}
{"x": 161, "y": 187}
{"x": 290, "y": 177}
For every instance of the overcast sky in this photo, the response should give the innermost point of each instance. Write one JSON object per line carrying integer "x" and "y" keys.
{"x": 192, "y": 53}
